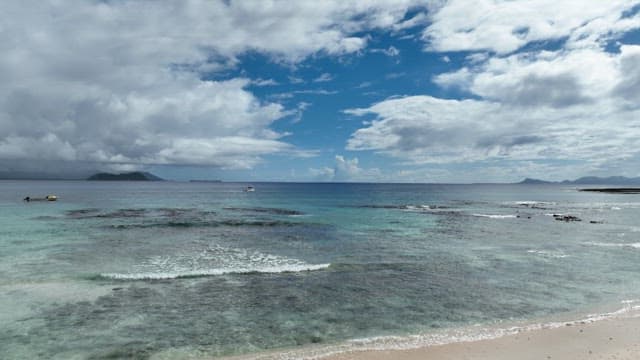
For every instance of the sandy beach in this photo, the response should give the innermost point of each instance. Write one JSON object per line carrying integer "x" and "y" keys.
{"x": 617, "y": 338}
{"x": 607, "y": 335}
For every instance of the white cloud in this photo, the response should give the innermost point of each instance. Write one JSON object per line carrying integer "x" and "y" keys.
{"x": 322, "y": 174}
{"x": 505, "y": 26}
{"x": 299, "y": 111}
{"x": 576, "y": 105}
{"x": 324, "y": 77}
{"x": 423, "y": 129}
{"x": 559, "y": 78}
{"x": 345, "y": 170}
{"x": 295, "y": 80}
{"x": 264, "y": 82}
{"x": 417, "y": 20}
{"x": 121, "y": 82}
{"x": 391, "y": 51}
{"x": 316, "y": 92}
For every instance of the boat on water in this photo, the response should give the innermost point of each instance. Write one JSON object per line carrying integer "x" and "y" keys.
{"x": 46, "y": 198}
{"x": 249, "y": 189}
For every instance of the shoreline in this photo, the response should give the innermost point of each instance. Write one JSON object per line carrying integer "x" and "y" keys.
{"x": 603, "y": 335}
{"x": 615, "y": 338}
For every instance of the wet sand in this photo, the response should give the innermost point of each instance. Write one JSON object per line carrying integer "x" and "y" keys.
{"x": 617, "y": 338}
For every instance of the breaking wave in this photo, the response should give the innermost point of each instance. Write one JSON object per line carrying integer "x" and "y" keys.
{"x": 212, "y": 261}
{"x": 213, "y": 272}
{"x": 548, "y": 253}
{"x": 495, "y": 216}
{"x": 405, "y": 207}
{"x": 619, "y": 245}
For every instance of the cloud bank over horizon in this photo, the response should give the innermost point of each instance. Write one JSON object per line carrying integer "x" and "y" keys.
{"x": 512, "y": 89}
{"x": 577, "y": 103}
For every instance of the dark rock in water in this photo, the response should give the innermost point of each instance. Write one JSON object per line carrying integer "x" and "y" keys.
{"x": 131, "y": 176}
{"x": 274, "y": 211}
{"x": 566, "y": 218}
{"x": 96, "y": 213}
{"x": 596, "y": 222}
{"x": 614, "y": 190}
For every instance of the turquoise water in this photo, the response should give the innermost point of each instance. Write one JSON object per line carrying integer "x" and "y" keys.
{"x": 153, "y": 270}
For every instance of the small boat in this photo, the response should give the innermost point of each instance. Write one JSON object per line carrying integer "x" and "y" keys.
{"x": 46, "y": 198}
{"x": 249, "y": 189}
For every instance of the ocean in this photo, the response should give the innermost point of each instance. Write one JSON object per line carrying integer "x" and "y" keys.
{"x": 171, "y": 270}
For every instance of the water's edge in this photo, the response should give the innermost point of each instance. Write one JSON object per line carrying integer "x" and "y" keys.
{"x": 622, "y": 310}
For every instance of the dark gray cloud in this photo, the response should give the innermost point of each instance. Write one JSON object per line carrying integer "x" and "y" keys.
{"x": 629, "y": 85}
{"x": 558, "y": 91}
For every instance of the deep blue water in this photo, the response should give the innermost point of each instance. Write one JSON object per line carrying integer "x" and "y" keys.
{"x": 171, "y": 270}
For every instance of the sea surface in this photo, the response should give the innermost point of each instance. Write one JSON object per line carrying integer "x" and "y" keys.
{"x": 169, "y": 270}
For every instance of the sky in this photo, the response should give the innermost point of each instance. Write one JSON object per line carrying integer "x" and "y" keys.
{"x": 368, "y": 90}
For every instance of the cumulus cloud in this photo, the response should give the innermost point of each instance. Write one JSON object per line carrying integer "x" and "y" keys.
{"x": 424, "y": 129}
{"x": 555, "y": 78}
{"x": 322, "y": 174}
{"x": 572, "y": 103}
{"x": 345, "y": 170}
{"x": 506, "y": 26}
{"x": 124, "y": 82}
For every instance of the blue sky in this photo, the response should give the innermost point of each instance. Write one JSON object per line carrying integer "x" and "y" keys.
{"x": 379, "y": 91}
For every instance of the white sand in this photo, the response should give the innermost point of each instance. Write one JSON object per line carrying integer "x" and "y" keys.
{"x": 617, "y": 338}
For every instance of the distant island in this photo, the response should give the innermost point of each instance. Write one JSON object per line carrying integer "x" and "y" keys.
{"x": 588, "y": 180}
{"x": 130, "y": 176}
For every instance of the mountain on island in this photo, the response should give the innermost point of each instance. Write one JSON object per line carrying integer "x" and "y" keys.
{"x": 130, "y": 176}
{"x": 535, "y": 181}
{"x": 589, "y": 180}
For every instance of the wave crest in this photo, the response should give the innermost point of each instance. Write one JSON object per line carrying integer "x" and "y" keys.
{"x": 635, "y": 245}
{"x": 497, "y": 216}
{"x": 211, "y": 261}
{"x": 213, "y": 272}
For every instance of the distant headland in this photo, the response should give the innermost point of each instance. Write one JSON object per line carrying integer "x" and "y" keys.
{"x": 588, "y": 180}
{"x": 130, "y": 176}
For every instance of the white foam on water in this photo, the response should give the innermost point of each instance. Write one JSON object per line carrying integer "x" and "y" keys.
{"x": 420, "y": 208}
{"x": 532, "y": 203}
{"x": 623, "y": 245}
{"x": 468, "y": 334}
{"x": 495, "y": 216}
{"x": 212, "y": 261}
{"x": 548, "y": 254}
{"x": 213, "y": 272}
